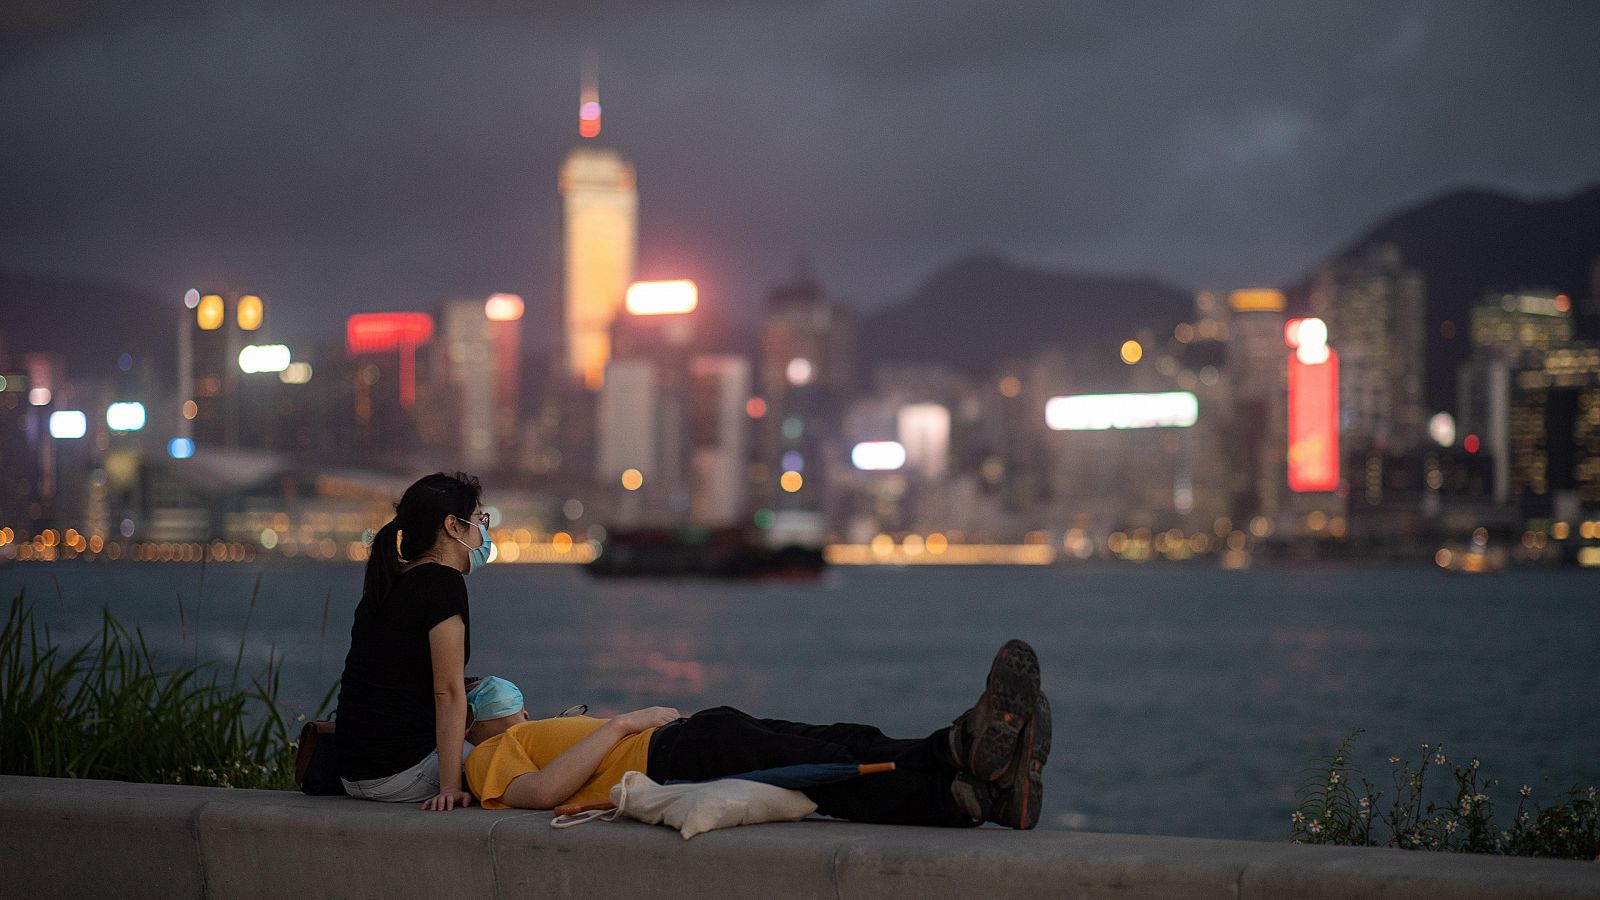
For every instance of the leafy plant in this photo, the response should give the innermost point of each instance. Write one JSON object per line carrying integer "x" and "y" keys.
{"x": 1423, "y": 815}
{"x": 106, "y": 710}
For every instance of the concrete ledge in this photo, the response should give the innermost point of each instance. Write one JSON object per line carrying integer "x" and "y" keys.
{"x": 64, "y": 838}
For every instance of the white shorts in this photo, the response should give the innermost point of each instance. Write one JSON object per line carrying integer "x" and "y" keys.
{"x": 414, "y": 785}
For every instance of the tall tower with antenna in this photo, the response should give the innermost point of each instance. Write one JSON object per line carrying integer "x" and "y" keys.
{"x": 599, "y": 239}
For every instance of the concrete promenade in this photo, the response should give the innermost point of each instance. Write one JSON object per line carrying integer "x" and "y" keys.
{"x": 108, "y": 839}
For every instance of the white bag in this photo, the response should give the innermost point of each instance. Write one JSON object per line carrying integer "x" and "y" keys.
{"x": 696, "y": 808}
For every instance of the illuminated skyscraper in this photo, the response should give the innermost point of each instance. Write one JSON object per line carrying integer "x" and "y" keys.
{"x": 209, "y": 340}
{"x": 599, "y": 241}
{"x": 1555, "y": 432}
{"x": 806, "y": 375}
{"x": 1509, "y": 332}
{"x": 1375, "y": 309}
{"x": 1257, "y": 383}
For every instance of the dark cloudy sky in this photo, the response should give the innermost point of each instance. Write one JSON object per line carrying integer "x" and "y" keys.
{"x": 365, "y": 155}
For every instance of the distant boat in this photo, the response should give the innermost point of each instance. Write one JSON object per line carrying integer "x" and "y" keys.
{"x": 703, "y": 552}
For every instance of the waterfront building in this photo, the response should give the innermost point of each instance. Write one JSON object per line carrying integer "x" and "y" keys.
{"x": 1555, "y": 432}
{"x": 1256, "y": 446}
{"x": 384, "y": 374}
{"x": 210, "y": 338}
{"x": 628, "y": 438}
{"x": 718, "y": 434}
{"x": 806, "y": 378}
{"x": 504, "y": 315}
{"x": 670, "y": 427}
{"x": 600, "y": 212}
{"x": 467, "y": 367}
{"x": 1374, "y": 305}
{"x": 1509, "y": 331}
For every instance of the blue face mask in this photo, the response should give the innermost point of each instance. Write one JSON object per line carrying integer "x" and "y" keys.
{"x": 478, "y": 556}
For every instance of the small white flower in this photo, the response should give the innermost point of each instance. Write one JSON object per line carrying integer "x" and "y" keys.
{"x": 1333, "y": 777}
{"x": 1450, "y": 825}
{"x": 1439, "y": 759}
{"x": 1393, "y": 760}
{"x": 1297, "y": 818}
{"x": 1315, "y": 827}
{"x": 1474, "y": 763}
{"x": 1526, "y": 791}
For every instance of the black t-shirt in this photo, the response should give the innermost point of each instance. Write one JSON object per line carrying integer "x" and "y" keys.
{"x": 386, "y": 719}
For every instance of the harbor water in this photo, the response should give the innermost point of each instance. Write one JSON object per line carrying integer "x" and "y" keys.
{"x": 1187, "y": 700}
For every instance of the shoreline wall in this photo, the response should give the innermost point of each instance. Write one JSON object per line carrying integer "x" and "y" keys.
{"x": 72, "y": 838}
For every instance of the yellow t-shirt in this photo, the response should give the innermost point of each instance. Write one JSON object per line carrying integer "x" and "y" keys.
{"x": 530, "y": 746}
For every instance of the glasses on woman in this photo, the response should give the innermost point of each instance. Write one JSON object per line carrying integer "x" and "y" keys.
{"x": 476, "y": 519}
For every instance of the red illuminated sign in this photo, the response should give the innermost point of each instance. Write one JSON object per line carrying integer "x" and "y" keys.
{"x": 383, "y": 332}
{"x": 1314, "y": 424}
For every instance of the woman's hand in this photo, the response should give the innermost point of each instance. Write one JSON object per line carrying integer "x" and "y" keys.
{"x": 642, "y": 719}
{"x": 448, "y": 800}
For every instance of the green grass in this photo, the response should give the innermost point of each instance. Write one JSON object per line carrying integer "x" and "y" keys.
{"x": 106, "y": 710}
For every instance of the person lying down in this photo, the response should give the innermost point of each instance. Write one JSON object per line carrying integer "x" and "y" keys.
{"x": 987, "y": 766}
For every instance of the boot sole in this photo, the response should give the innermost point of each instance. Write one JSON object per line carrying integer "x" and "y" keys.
{"x": 1027, "y": 791}
{"x": 1004, "y": 711}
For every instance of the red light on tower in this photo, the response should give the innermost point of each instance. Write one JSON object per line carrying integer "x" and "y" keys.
{"x": 589, "y": 99}
{"x": 1313, "y": 408}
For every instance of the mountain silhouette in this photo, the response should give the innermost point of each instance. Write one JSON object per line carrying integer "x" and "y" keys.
{"x": 984, "y": 309}
{"x": 1468, "y": 243}
{"x": 90, "y": 324}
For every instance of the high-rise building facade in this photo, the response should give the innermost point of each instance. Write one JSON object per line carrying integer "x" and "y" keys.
{"x": 209, "y": 341}
{"x": 806, "y": 377}
{"x": 1555, "y": 432}
{"x": 1375, "y": 307}
{"x": 599, "y": 245}
{"x": 468, "y": 367}
{"x": 1257, "y": 384}
{"x": 1508, "y": 332}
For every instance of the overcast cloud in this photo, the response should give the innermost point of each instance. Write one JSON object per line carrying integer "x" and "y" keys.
{"x": 353, "y": 156}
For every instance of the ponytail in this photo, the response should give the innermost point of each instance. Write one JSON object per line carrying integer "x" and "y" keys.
{"x": 383, "y": 561}
{"x": 417, "y": 519}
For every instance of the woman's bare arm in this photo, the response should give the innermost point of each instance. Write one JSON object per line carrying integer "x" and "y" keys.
{"x": 447, "y": 642}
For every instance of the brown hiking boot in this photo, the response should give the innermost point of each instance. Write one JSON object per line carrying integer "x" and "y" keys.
{"x": 1016, "y": 799}
{"x": 983, "y": 739}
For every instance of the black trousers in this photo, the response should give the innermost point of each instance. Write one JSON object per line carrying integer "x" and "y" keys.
{"x": 718, "y": 742}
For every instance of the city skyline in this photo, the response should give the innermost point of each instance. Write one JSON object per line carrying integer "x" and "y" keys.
{"x": 358, "y": 193}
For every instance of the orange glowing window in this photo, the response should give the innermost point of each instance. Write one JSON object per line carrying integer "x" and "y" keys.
{"x": 1256, "y": 300}
{"x": 209, "y": 313}
{"x": 249, "y": 313}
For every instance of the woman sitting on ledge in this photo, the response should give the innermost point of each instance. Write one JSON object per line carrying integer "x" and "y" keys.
{"x": 402, "y": 700}
{"x": 986, "y": 767}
